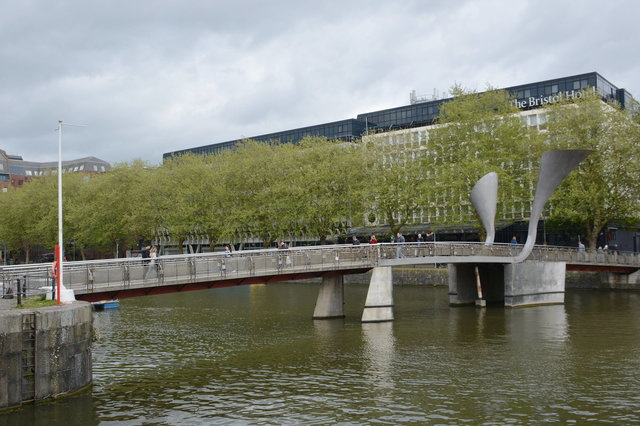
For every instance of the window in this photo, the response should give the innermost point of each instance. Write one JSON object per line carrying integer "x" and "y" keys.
{"x": 542, "y": 121}
{"x": 554, "y": 88}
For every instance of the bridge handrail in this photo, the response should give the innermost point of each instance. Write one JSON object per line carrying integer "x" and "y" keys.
{"x": 568, "y": 252}
{"x": 125, "y": 272}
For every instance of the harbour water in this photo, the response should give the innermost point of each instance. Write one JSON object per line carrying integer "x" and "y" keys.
{"x": 252, "y": 354}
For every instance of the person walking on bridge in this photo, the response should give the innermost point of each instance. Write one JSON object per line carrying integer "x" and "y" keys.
{"x": 153, "y": 254}
{"x": 399, "y": 241}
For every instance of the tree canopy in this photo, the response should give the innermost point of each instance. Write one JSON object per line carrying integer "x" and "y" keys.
{"x": 317, "y": 188}
{"x": 604, "y": 188}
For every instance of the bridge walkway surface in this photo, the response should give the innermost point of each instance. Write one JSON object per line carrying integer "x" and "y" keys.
{"x": 128, "y": 277}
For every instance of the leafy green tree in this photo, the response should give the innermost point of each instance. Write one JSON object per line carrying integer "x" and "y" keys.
{"x": 326, "y": 181}
{"x": 187, "y": 197}
{"x": 480, "y": 133}
{"x": 29, "y": 215}
{"x": 604, "y": 188}
{"x": 396, "y": 181}
{"x": 257, "y": 180}
{"x": 114, "y": 208}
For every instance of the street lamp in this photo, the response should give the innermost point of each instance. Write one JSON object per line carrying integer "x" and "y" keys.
{"x": 68, "y": 294}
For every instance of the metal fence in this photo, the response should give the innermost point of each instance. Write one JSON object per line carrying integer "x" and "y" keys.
{"x": 133, "y": 273}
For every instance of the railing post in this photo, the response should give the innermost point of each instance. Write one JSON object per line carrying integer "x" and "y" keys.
{"x": 18, "y": 293}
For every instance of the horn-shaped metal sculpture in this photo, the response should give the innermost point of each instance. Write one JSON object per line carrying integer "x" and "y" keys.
{"x": 484, "y": 197}
{"x": 554, "y": 167}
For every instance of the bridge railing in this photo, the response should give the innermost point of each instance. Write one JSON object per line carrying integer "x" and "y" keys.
{"x": 115, "y": 274}
{"x": 574, "y": 256}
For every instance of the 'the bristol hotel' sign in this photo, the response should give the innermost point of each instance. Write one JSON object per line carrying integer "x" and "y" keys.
{"x": 533, "y": 101}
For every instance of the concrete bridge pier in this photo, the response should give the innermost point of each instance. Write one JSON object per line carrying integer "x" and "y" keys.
{"x": 330, "y": 302}
{"x": 379, "y": 304}
{"x": 534, "y": 283}
{"x": 514, "y": 284}
{"x": 462, "y": 283}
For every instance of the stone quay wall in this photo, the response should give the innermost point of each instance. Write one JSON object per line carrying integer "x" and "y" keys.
{"x": 44, "y": 352}
{"x": 430, "y": 276}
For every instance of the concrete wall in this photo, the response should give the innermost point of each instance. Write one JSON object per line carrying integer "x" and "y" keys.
{"x": 403, "y": 275}
{"x": 44, "y": 352}
{"x": 603, "y": 280}
{"x": 534, "y": 283}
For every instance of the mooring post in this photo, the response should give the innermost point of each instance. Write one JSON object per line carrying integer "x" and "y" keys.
{"x": 479, "y": 301}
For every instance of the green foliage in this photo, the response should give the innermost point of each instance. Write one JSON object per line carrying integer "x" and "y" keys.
{"x": 397, "y": 185}
{"x": 321, "y": 188}
{"x": 326, "y": 187}
{"x": 478, "y": 133}
{"x": 605, "y": 186}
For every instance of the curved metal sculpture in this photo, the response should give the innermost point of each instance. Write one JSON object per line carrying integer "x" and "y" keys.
{"x": 484, "y": 197}
{"x": 554, "y": 167}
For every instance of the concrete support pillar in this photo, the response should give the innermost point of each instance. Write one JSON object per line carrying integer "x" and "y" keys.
{"x": 463, "y": 283}
{"x": 330, "y": 302}
{"x": 462, "y": 289}
{"x": 534, "y": 283}
{"x": 379, "y": 304}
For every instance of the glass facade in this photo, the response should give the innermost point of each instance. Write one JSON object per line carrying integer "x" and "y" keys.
{"x": 419, "y": 114}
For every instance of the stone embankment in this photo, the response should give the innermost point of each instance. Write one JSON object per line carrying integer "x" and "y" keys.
{"x": 44, "y": 352}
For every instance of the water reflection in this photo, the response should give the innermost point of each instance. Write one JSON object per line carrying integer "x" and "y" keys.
{"x": 379, "y": 350}
{"x": 254, "y": 355}
{"x": 545, "y": 326}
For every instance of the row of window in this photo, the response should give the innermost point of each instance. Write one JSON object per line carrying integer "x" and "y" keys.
{"x": 80, "y": 168}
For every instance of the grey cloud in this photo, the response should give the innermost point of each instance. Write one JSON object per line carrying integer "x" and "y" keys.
{"x": 156, "y": 76}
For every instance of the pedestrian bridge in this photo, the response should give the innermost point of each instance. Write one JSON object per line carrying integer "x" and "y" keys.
{"x": 129, "y": 277}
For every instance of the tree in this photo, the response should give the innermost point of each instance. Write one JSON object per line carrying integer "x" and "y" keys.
{"x": 396, "y": 181}
{"x": 116, "y": 208}
{"x": 188, "y": 197}
{"x": 29, "y": 215}
{"x": 604, "y": 188}
{"x": 326, "y": 185}
{"x": 257, "y": 178}
{"x": 476, "y": 133}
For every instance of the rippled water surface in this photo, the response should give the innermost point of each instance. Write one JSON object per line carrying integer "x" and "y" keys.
{"x": 253, "y": 354}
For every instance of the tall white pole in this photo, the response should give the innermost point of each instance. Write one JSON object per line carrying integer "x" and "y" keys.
{"x": 60, "y": 240}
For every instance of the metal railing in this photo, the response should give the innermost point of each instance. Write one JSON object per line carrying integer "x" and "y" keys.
{"x": 98, "y": 276}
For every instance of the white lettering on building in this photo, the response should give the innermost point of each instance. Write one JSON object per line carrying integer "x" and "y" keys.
{"x": 533, "y": 102}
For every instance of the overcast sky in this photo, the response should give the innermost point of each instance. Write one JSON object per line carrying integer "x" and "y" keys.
{"x": 149, "y": 77}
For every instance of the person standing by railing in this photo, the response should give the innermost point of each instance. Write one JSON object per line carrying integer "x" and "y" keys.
{"x": 153, "y": 254}
{"x": 399, "y": 241}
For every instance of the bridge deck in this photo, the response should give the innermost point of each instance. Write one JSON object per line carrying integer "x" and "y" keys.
{"x": 95, "y": 280}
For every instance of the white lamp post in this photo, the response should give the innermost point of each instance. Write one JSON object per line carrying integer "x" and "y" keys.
{"x": 63, "y": 295}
